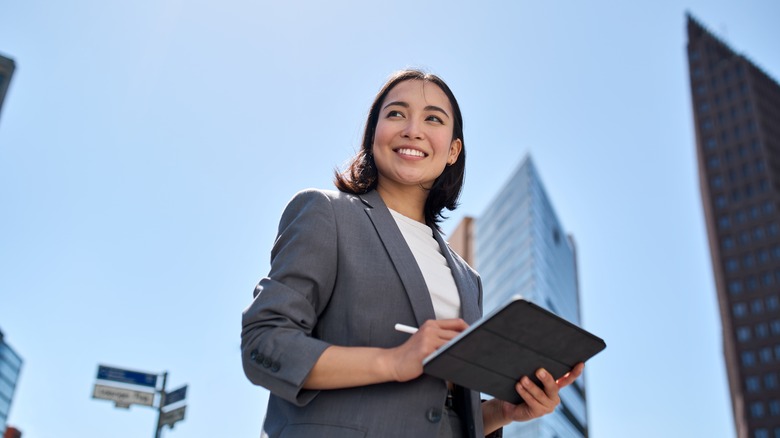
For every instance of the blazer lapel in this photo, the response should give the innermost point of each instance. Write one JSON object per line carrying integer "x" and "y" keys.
{"x": 401, "y": 256}
{"x": 468, "y": 291}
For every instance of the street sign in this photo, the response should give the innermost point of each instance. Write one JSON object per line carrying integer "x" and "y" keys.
{"x": 123, "y": 397}
{"x": 175, "y": 396}
{"x": 127, "y": 376}
{"x": 173, "y": 416}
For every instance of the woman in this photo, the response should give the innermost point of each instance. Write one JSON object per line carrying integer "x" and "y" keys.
{"x": 348, "y": 265}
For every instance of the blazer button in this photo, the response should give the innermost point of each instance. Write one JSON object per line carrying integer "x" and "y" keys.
{"x": 433, "y": 415}
{"x": 253, "y": 354}
{"x": 275, "y": 366}
{"x": 267, "y": 362}
{"x": 259, "y": 358}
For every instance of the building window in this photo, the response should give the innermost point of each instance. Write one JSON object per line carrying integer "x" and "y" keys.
{"x": 774, "y": 408}
{"x": 767, "y": 279}
{"x": 768, "y": 207}
{"x": 772, "y": 303}
{"x": 717, "y": 182}
{"x": 761, "y": 433}
{"x": 758, "y": 233}
{"x": 739, "y": 310}
{"x": 757, "y": 306}
{"x": 752, "y": 384}
{"x": 735, "y": 287}
{"x": 711, "y": 143}
{"x": 765, "y": 355}
{"x": 748, "y": 358}
{"x": 773, "y": 229}
{"x": 763, "y": 256}
{"x": 728, "y": 243}
{"x": 744, "y": 239}
{"x": 752, "y": 283}
{"x": 720, "y": 201}
{"x": 731, "y": 264}
{"x": 774, "y": 327}
{"x": 757, "y": 411}
{"x": 743, "y": 334}
{"x": 770, "y": 381}
{"x": 748, "y": 261}
{"x": 762, "y": 330}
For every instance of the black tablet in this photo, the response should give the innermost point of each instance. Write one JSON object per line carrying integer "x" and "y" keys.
{"x": 514, "y": 340}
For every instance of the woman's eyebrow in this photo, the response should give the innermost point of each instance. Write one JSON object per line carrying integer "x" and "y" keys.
{"x": 427, "y": 108}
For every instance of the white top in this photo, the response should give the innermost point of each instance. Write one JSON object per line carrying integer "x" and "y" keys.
{"x": 434, "y": 267}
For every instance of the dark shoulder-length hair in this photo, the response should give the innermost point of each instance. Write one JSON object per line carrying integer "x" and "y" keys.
{"x": 361, "y": 173}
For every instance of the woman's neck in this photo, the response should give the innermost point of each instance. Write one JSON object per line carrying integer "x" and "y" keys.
{"x": 407, "y": 200}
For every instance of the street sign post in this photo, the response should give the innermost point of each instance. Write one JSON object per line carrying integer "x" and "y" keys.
{"x": 172, "y": 417}
{"x": 175, "y": 396}
{"x": 127, "y": 376}
{"x": 122, "y": 396}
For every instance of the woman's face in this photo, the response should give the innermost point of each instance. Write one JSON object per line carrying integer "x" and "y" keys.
{"x": 413, "y": 139}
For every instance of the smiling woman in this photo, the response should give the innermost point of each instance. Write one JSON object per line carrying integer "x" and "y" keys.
{"x": 362, "y": 174}
{"x": 349, "y": 265}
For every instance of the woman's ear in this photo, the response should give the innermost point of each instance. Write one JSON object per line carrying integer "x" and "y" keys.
{"x": 455, "y": 147}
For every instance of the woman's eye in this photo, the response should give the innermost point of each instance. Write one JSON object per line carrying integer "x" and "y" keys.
{"x": 436, "y": 119}
{"x": 394, "y": 113}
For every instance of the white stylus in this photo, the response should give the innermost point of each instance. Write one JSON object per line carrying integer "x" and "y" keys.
{"x": 405, "y": 328}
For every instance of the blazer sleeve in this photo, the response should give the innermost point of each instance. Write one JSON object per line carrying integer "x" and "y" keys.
{"x": 277, "y": 347}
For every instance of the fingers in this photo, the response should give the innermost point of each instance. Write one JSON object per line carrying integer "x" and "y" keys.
{"x": 444, "y": 329}
{"x": 456, "y": 325}
{"x": 538, "y": 400}
{"x": 407, "y": 358}
{"x": 571, "y": 376}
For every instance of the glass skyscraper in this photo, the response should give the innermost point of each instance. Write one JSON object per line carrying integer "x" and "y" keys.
{"x": 736, "y": 108}
{"x": 10, "y": 365}
{"x": 520, "y": 248}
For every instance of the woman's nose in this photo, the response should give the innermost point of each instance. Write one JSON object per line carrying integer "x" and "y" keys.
{"x": 412, "y": 130}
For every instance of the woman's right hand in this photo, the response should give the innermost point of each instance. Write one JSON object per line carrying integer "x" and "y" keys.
{"x": 405, "y": 361}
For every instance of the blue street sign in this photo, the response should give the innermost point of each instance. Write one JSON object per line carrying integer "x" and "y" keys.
{"x": 175, "y": 396}
{"x": 126, "y": 376}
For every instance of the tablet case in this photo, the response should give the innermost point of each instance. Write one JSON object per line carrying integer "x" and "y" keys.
{"x": 513, "y": 341}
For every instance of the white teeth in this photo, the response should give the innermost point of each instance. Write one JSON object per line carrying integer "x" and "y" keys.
{"x": 412, "y": 152}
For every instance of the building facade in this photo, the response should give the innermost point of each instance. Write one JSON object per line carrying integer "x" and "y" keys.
{"x": 7, "y": 67}
{"x": 10, "y": 366}
{"x": 520, "y": 247}
{"x": 736, "y": 109}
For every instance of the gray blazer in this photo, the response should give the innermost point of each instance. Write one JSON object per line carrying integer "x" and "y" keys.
{"x": 342, "y": 274}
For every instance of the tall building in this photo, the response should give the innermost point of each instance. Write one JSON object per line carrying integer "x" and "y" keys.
{"x": 10, "y": 365}
{"x": 521, "y": 248}
{"x": 736, "y": 109}
{"x": 7, "y": 67}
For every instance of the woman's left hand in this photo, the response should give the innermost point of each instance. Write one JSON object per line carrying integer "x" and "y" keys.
{"x": 538, "y": 401}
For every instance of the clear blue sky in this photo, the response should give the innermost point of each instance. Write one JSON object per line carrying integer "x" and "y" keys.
{"x": 147, "y": 149}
